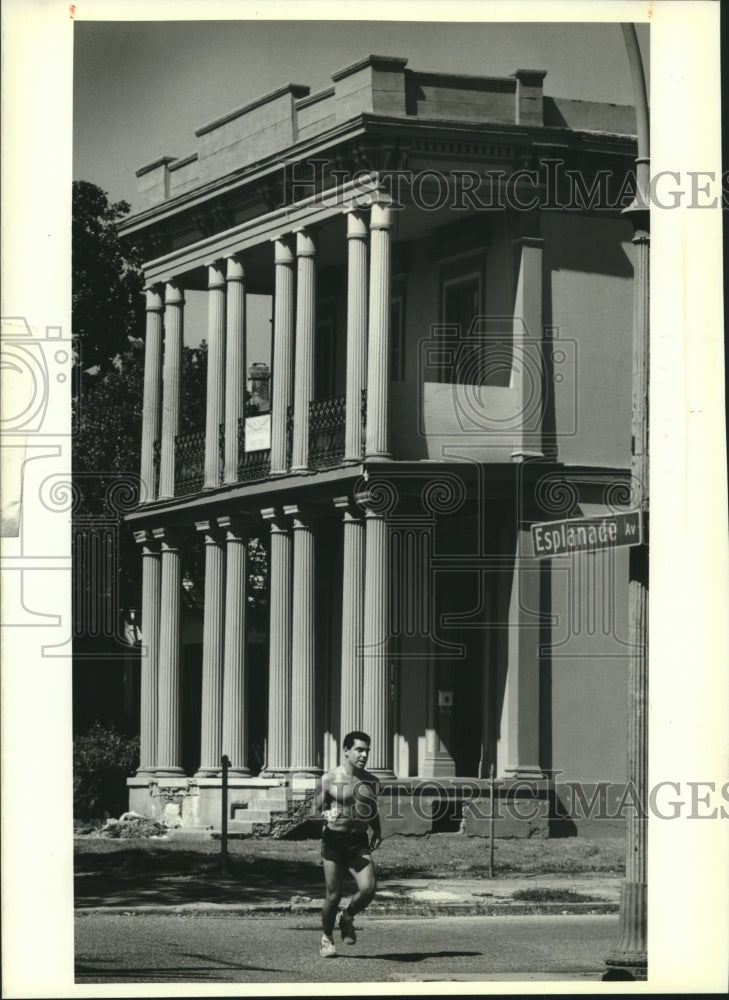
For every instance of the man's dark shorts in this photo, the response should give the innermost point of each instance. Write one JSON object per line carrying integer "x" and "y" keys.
{"x": 350, "y": 848}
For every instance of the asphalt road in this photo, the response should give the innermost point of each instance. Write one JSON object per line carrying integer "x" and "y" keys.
{"x": 234, "y": 949}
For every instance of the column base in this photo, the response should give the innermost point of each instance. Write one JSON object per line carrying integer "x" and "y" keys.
{"x": 207, "y": 772}
{"x": 525, "y": 455}
{"x": 238, "y": 772}
{"x": 383, "y": 456}
{"x": 525, "y": 772}
{"x": 629, "y": 958}
{"x": 438, "y": 764}
{"x": 168, "y": 772}
{"x": 382, "y": 772}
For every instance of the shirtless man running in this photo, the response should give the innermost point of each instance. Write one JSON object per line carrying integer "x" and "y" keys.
{"x": 347, "y": 797}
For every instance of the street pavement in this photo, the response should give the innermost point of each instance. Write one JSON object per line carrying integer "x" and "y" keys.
{"x": 230, "y": 948}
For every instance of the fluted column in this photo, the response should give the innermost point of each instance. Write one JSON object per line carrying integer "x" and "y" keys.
{"x": 631, "y": 951}
{"x": 377, "y": 704}
{"x": 353, "y": 564}
{"x": 235, "y": 364}
{"x": 171, "y": 385}
{"x": 378, "y": 348}
{"x": 356, "y": 333}
{"x": 213, "y": 648}
{"x": 303, "y": 646}
{"x": 150, "y": 649}
{"x": 528, "y": 377}
{"x": 169, "y": 736}
{"x": 283, "y": 352}
{"x": 235, "y": 701}
{"x": 305, "y": 331}
{"x": 152, "y": 391}
{"x": 216, "y": 373}
{"x": 279, "y": 671}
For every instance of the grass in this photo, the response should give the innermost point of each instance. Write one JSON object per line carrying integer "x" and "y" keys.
{"x": 439, "y": 855}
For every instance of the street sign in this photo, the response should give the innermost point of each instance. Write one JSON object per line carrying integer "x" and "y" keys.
{"x": 586, "y": 534}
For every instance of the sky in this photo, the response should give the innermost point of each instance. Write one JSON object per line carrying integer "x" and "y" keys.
{"x": 142, "y": 88}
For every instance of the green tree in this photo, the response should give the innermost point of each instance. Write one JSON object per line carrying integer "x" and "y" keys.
{"x": 107, "y": 300}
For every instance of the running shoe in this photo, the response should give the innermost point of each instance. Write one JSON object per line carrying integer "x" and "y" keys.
{"x": 327, "y": 949}
{"x": 346, "y": 926}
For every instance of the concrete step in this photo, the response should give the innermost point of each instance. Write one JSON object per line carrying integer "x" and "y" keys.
{"x": 252, "y": 816}
{"x": 239, "y": 826}
{"x": 190, "y": 833}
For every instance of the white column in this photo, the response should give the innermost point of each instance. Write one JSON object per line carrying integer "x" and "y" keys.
{"x": 353, "y": 564}
{"x": 171, "y": 378}
{"x": 235, "y": 699}
{"x": 235, "y": 365}
{"x": 216, "y": 373}
{"x": 169, "y": 736}
{"x": 283, "y": 352}
{"x": 356, "y": 333}
{"x": 279, "y": 676}
{"x": 303, "y": 651}
{"x": 213, "y": 642}
{"x": 378, "y": 348}
{"x": 518, "y": 749}
{"x": 528, "y": 370}
{"x": 305, "y": 332}
{"x": 377, "y": 707}
{"x": 150, "y": 649}
{"x": 152, "y": 392}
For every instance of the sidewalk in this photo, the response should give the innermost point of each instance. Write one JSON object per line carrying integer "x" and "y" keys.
{"x": 229, "y": 894}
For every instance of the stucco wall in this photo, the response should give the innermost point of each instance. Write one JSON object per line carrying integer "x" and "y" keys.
{"x": 588, "y": 297}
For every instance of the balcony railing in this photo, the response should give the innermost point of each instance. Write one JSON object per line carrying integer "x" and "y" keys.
{"x": 189, "y": 463}
{"x": 327, "y": 423}
{"x": 252, "y": 465}
{"x": 327, "y": 418}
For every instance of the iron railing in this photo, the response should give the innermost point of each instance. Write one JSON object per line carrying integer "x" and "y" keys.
{"x": 189, "y": 463}
{"x": 327, "y": 419}
{"x": 252, "y": 465}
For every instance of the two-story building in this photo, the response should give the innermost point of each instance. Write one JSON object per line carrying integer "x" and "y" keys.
{"x": 450, "y": 279}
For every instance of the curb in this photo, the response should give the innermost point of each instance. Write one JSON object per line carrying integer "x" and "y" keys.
{"x": 406, "y": 909}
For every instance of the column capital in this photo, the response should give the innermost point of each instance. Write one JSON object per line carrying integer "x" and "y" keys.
{"x": 174, "y": 293}
{"x": 381, "y": 216}
{"x": 216, "y": 274}
{"x": 302, "y": 515}
{"x": 535, "y": 242}
{"x": 276, "y": 517}
{"x": 154, "y": 298}
{"x": 377, "y": 499}
{"x": 236, "y": 527}
{"x": 212, "y": 531}
{"x": 305, "y": 242}
{"x": 357, "y": 228}
{"x": 350, "y": 508}
{"x": 171, "y": 539}
{"x": 284, "y": 249}
{"x": 149, "y": 544}
{"x": 235, "y": 269}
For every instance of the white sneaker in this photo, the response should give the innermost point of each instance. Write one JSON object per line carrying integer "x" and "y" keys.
{"x": 327, "y": 949}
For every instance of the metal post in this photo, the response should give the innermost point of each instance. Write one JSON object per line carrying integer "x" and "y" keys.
{"x": 491, "y": 823}
{"x": 224, "y": 813}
